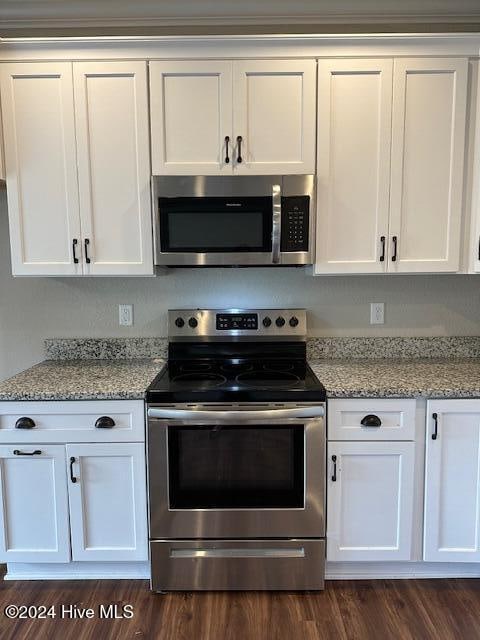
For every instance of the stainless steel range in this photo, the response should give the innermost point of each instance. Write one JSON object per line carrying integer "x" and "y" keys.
{"x": 236, "y": 455}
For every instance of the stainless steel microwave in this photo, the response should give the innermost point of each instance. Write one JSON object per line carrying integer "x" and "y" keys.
{"x": 234, "y": 220}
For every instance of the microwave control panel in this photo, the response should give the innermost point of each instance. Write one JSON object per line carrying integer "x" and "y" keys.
{"x": 295, "y": 223}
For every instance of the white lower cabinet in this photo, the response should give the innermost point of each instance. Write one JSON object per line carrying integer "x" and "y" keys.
{"x": 34, "y": 514}
{"x": 452, "y": 481}
{"x": 107, "y": 495}
{"x": 370, "y": 500}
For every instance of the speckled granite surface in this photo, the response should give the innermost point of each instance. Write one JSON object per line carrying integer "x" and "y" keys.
{"x": 440, "y": 378}
{"x": 105, "y": 348}
{"x": 82, "y": 380}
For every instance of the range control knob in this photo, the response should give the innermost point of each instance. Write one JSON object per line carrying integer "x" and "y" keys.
{"x": 280, "y": 321}
{"x": 267, "y": 322}
{"x": 193, "y": 322}
{"x": 179, "y": 322}
{"x": 293, "y": 321}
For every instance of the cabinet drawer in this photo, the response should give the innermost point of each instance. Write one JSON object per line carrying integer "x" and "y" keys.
{"x": 72, "y": 421}
{"x": 383, "y": 419}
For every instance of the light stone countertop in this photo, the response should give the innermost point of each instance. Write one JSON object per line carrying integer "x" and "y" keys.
{"x": 83, "y": 380}
{"x": 353, "y": 378}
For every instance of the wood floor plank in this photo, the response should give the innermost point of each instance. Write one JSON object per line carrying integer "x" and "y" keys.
{"x": 346, "y": 610}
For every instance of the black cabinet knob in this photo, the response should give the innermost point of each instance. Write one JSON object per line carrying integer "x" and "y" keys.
{"x": 105, "y": 422}
{"x": 193, "y": 322}
{"x": 280, "y": 321}
{"x": 293, "y": 321}
{"x": 24, "y": 423}
{"x": 371, "y": 421}
{"x": 179, "y": 322}
{"x": 267, "y": 322}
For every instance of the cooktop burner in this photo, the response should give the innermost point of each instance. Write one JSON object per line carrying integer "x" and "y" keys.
{"x": 200, "y": 376}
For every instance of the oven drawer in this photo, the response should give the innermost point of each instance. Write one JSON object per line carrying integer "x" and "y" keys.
{"x": 218, "y": 565}
{"x": 371, "y": 419}
{"x": 72, "y": 421}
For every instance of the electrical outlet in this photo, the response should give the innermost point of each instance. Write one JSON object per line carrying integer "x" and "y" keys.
{"x": 377, "y": 313}
{"x": 125, "y": 315}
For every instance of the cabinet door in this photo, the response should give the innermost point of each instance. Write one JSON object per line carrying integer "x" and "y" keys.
{"x": 42, "y": 187}
{"x": 274, "y": 114}
{"x": 111, "y": 110}
{"x": 428, "y": 134}
{"x": 191, "y": 117}
{"x": 354, "y": 132}
{"x": 34, "y": 514}
{"x": 108, "y": 512}
{"x": 452, "y": 482}
{"x": 370, "y": 500}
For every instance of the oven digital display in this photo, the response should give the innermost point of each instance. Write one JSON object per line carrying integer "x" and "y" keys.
{"x": 243, "y": 321}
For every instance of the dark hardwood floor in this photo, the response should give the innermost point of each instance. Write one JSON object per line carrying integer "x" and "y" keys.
{"x": 370, "y": 610}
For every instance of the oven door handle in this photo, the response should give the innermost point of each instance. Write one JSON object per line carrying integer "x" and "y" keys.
{"x": 276, "y": 222}
{"x": 235, "y": 416}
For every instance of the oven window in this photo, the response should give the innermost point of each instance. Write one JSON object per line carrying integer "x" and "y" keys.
{"x": 234, "y": 467}
{"x": 215, "y": 225}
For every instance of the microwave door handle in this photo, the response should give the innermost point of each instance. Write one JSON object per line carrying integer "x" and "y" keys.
{"x": 276, "y": 222}
{"x": 236, "y": 416}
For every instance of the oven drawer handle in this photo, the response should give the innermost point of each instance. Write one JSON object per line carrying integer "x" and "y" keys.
{"x": 272, "y": 552}
{"x": 234, "y": 416}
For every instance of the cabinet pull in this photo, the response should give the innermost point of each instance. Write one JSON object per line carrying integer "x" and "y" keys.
{"x": 334, "y": 475}
{"x": 371, "y": 421}
{"x": 87, "y": 259}
{"x": 227, "y": 140}
{"x": 24, "y": 423}
{"x": 479, "y": 248}
{"x": 74, "y": 250}
{"x": 394, "y": 257}
{"x": 239, "y": 156}
{"x": 105, "y": 422}
{"x": 435, "y": 425}
{"x": 17, "y": 452}
{"x": 72, "y": 477}
{"x": 382, "y": 257}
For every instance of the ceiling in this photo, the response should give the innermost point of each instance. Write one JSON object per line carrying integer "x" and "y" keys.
{"x": 19, "y": 17}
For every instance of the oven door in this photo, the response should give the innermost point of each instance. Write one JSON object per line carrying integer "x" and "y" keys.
{"x": 217, "y": 473}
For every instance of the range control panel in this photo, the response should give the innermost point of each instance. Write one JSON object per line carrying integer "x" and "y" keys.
{"x": 218, "y": 324}
{"x": 295, "y": 223}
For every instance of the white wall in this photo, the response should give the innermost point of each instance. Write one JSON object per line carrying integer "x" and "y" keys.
{"x": 32, "y": 309}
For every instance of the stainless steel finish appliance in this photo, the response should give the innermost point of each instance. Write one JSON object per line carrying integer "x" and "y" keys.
{"x": 236, "y": 455}
{"x": 234, "y": 220}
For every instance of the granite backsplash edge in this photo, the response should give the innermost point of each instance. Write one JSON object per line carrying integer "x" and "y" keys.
{"x": 318, "y": 348}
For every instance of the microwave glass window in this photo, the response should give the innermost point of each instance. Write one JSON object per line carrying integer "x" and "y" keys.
{"x": 209, "y": 231}
{"x": 228, "y": 467}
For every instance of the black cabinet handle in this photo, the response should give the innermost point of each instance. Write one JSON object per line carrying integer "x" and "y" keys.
{"x": 105, "y": 422}
{"x": 74, "y": 250}
{"x": 72, "y": 477}
{"x": 37, "y": 452}
{"x": 24, "y": 423}
{"x": 227, "y": 140}
{"x": 334, "y": 476}
{"x": 394, "y": 257}
{"x": 382, "y": 257}
{"x": 371, "y": 421}
{"x": 87, "y": 259}
{"x": 435, "y": 425}
{"x": 479, "y": 248}
{"x": 239, "y": 156}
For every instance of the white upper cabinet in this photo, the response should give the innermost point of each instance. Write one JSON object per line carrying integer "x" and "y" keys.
{"x": 452, "y": 482}
{"x": 42, "y": 188}
{"x": 353, "y": 165}
{"x": 191, "y": 117}
{"x": 219, "y": 117}
{"x": 274, "y": 115}
{"x": 428, "y": 135}
{"x": 111, "y": 112}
